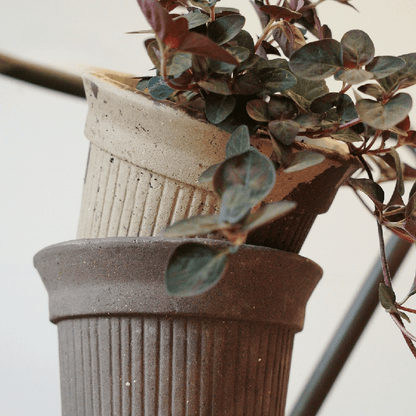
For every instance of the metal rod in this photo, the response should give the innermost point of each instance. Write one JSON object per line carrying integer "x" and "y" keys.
{"x": 41, "y": 75}
{"x": 348, "y": 333}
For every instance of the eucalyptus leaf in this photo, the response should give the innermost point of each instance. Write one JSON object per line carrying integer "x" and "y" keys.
{"x": 252, "y": 170}
{"x": 158, "y": 89}
{"x": 384, "y": 116}
{"x": 372, "y": 189}
{"x": 353, "y": 76}
{"x": 193, "y": 269}
{"x": 247, "y": 84}
{"x": 357, "y": 48}
{"x": 179, "y": 63}
{"x": 305, "y": 91}
{"x": 225, "y": 28}
{"x": 317, "y": 60}
{"x": 347, "y": 135}
{"x": 218, "y": 107}
{"x": 386, "y": 296}
{"x": 216, "y": 85}
{"x": 208, "y": 174}
{"x": 383, "y": 66}
{"x": 372, "y": 89}
{"x": 239, "y": 142}
{"x": 282, "y": 108}
{"x": 267, "y": 213}
{"x": 404, "y": 77}
{"x": 277, "y": 80}
{"x": 235, "y": 204}
{"x": 258, "y": 110}
{"x": 142, "y": 84}
{"x": 199, "y": 225}
{"x": 303, "y": 160}
{"x": 244, "y": 39}
{"x": 284, "y": 131}
{"x": 196, "y": 19}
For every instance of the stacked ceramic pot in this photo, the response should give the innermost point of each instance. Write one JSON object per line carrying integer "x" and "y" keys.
{"x": 126, "y": 348}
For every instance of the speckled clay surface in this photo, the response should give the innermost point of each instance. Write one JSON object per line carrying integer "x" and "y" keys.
{"x": 126, "y": 348}
{"x": 146, "y": 157}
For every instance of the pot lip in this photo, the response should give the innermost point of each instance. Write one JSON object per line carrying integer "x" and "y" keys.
{"x": 125, "y": 275}
{"x": 106, "y": 242}
{"x": 118, "y": 80}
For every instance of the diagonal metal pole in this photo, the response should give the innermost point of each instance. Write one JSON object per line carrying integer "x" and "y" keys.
{"x": 41, "y": 75}
{"x": 348, "y": 333}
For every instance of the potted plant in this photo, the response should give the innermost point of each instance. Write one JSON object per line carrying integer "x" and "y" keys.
{"x": 276, "y": 145}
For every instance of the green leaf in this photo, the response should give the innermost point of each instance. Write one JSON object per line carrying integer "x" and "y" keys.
{"x": 216, "y": 85}
{"x": 218, "y": 107}
{"x": 225, "y": 28}
{"x": 276, "y": 80}
{"x": 244, "y": 39}
{"x": 347, "y": 135}
{"x": 258, "y": 110}
{"x": 247, "y": 84}
{"x": 289, "y": 38}
{"x": 307, "y": 121}
{"x": 284, "y": 131}
{"x": 196, "y": 19}
{"x": 317, "y": 60}
{"x": 372, "y": 189}
{"x": 387, "y": 297}
{"x": 239, "y": 142}
{"x": 353, "y": 76}
{"x": 404, "y": 77}
{"x": 142, "y": 84}
{"x": 383, "y": 66}
{"x": 282, "y": 108}
{"x": 235, "y": 204}
{"x": 267, "y": 213}
{"x": 384, "y": 116}
{"x": 238, "y": 52}
{"x": 158, "y": 88}
{"x": 204, "y": 3}
{"x": 305, "y": 91}
{"x": 252, "y": 170}
{"x": 357, "y": 48}
{"x": 343, "y": 103}
{"x": 303, "y": 160}
{"x": 193, "y": 269}
{"x": 179, "y": 63}
{"x": 200, "y": 225}
{"x": 208, "y": 174}
{"x": 372, "y": 89}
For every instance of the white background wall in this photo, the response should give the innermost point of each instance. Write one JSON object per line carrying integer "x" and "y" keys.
{"x": 42, "y": 163}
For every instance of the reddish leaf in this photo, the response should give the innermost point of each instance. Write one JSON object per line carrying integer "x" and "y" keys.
{"x": 277, "y": 12}
{"x": 171, "y": 31}
{"x": 198, "y": 44}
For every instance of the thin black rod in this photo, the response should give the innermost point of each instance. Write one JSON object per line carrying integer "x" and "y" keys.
{"x": 41, "y": 75}
{"x": 348, "y": 333}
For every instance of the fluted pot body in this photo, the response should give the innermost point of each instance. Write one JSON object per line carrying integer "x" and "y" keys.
{"x": 146, "y": 157}
{"x": 127, "y": 348}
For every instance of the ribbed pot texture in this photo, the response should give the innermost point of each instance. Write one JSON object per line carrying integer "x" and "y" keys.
{"x": 127, "y": 348}
{"x": 146, "y": 157}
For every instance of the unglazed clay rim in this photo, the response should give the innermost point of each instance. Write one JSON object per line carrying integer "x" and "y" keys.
{"x": 125, "y": 276}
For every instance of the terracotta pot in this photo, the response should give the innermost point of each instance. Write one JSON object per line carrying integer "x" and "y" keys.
{"x": 127, "y": 348}
{"x": 146, "y": 157}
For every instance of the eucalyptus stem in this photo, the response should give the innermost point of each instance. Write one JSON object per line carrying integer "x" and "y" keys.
{"x": 383, "y": 258}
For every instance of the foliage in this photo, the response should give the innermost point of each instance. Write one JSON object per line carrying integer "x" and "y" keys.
{"x": 275, "y": 87}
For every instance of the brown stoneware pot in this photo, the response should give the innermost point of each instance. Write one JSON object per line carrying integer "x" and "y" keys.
{"x": 127, "y": 348}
